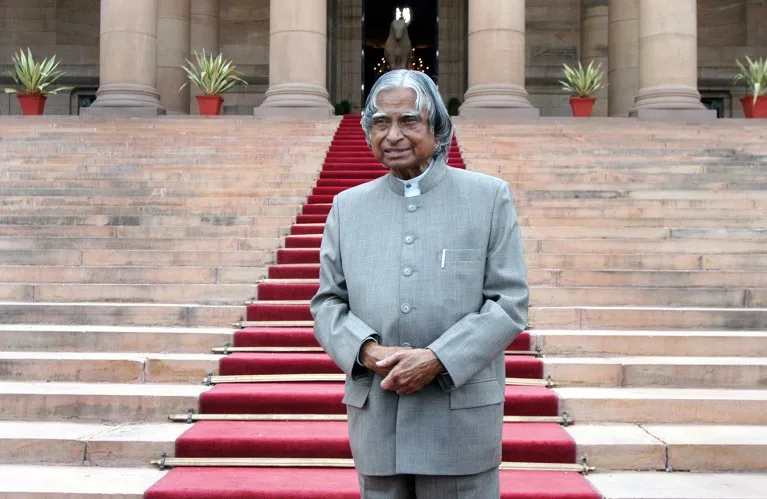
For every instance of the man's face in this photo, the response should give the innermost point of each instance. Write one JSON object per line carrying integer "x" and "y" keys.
{"x": 400, "y": 137}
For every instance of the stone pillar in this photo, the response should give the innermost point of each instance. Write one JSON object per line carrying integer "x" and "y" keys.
{"x": 668, "y": 62}
{"x": 204, "y": 35}
{"x": 297, "y": 61}
{"x": 594, "y": 28}
{"x": 623, "y": 64}
{"x": 127, "y": 60}
{"x": 756, "y": 25}
{"x": 497, "y": 61}
{"x": 173, "y": 27}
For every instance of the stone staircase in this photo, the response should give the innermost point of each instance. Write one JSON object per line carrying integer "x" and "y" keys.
{"x": 128, "y": 247}
{"x": 138, "y": 222}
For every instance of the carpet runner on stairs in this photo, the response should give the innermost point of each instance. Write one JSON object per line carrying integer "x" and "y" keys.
{"x": 284, "y": 307}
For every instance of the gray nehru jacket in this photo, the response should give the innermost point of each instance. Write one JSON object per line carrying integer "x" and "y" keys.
{"x": 443, "y": 270}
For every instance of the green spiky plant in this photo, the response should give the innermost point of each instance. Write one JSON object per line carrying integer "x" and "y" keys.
{"x": 754, "y": 74}
{"x": 583, "y": 82}
{"x": 212, "y": 75}
{"x": 35, "y": 78}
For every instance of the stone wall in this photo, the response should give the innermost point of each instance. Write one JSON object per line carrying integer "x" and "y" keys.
{"x": 553, "y": 37}
{"x": 452, "y": 49}
{"x": 244, "y": 38}
{"x": 728, "y": 30}
{"x": 68, "y": 29}
{"x": 345, "y": 52}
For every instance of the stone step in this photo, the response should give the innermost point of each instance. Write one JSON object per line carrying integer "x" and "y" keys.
{"x": 573, "y": 317}
{"x": 610, "y": 446}
{"x": 139, "y": 244}
{"x": 121, "y": 314}
{"x": 111, "y": 339}
{"x": 657, "y": 278}
{"x": 95, "y": 401}
{"x": 107, "y": 367}
{"x": 151, "y": 220}
{"x": 87, "y": 444}
{"x": 649, "y": 296}
{"x": 602, "y": 278}
{"x": 141, "y": 258}
{"x": 657, "y": 485}
{"x": 668, "y": 371}
{"x": 725, "y": 343}
{"x": 668, "y": 261}
{"x": 202, "y": 294}
{"x": 688, "y": 246}
{"x": 749, "y": 222}
{"x": 131, "y": 275}
{"x": 67, "y": 482}
{"x": 287, "y": 207}
{"x": 664, "y": 405}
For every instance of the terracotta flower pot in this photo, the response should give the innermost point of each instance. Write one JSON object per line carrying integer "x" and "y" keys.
{"x": 582, "y": 106}
{"x": 751, "y": 110}
{"x": 210, "y": 105}
{"x": 31, "y": 104}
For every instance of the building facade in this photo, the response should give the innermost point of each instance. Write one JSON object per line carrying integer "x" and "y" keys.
{"x": 301, "y": 57}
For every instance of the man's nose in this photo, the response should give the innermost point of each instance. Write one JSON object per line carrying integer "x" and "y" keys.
{"x": 395, "y": 134}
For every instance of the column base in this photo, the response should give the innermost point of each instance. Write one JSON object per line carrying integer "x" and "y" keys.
{"x": 497, "y": 101}
{"x": 125, "y": 99}
{"x": 686, "y": 115}
{"x": 295, "y": 101}
{"x": 671, "y": 103}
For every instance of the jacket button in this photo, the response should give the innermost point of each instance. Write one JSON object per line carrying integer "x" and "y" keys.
{"x": 408, "y": 239}
{"x": 407, "y": 271}
{"x": 405, "y": 308}
{"x": 411, "y": 208}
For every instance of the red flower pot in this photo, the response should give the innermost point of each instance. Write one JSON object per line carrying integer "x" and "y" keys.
{"x": 210, "y": 105}
{"x": 751, "y": 110}
{"x": 31, "y": 104}
{"x": 582, "y": 106}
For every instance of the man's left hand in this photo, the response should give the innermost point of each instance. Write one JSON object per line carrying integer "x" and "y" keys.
{"x": 411, "y": 371}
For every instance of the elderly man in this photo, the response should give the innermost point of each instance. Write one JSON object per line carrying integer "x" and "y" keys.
{"x": 422, "y": 286}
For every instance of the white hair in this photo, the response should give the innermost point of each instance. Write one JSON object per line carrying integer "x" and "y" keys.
{"x": 426, "y": 96}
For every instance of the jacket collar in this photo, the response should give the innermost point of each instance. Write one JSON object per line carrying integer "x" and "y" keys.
{"x": 428, "y": 182}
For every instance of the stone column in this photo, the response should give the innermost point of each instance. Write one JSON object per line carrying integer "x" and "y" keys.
{"x": 623, "y": 64}
{"x": 668, "y": 62}
{"x": 297, "y": 61}
{"x": 497, "y": 61}
{"x": 594, "y": 28}
{"x": 204, "y": 35}
{"x": 173, "y": 27}
{"x": 127, "y": 60}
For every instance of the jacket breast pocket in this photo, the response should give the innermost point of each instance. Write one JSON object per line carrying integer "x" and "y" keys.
{"x": 462, "y": 255}
{"x": 356, "y": 393}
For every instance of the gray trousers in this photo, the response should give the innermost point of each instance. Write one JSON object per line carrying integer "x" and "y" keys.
{"x": 485, "y": 485}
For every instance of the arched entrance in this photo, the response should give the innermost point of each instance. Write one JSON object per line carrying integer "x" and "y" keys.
{"x": 423, "y": 31}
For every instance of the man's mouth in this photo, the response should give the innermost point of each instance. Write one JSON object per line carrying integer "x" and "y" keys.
{"x": 395, "y": 152}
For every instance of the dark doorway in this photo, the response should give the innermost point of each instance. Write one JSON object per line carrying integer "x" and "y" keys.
{"x": 423, "y": 32}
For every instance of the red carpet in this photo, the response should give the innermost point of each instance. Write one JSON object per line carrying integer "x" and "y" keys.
{"x": 348, "y": 163}
{"x": 297, "y": 483}
{"x": 296, "y": 363}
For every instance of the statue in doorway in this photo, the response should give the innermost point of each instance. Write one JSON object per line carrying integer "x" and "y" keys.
{"x": 398, "y": 48}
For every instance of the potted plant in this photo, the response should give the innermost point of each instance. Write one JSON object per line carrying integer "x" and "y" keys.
{"x": 35, "y": 79}
{"x": 582, "y": 83}
{"x": 755, "y": 77}
{"x": 213, "y": 76}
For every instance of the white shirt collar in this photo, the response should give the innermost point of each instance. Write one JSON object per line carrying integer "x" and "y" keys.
{"x": 411, "y": 186}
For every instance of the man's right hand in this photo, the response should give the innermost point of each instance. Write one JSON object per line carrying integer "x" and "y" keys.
{"x": 372, "y": 352}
